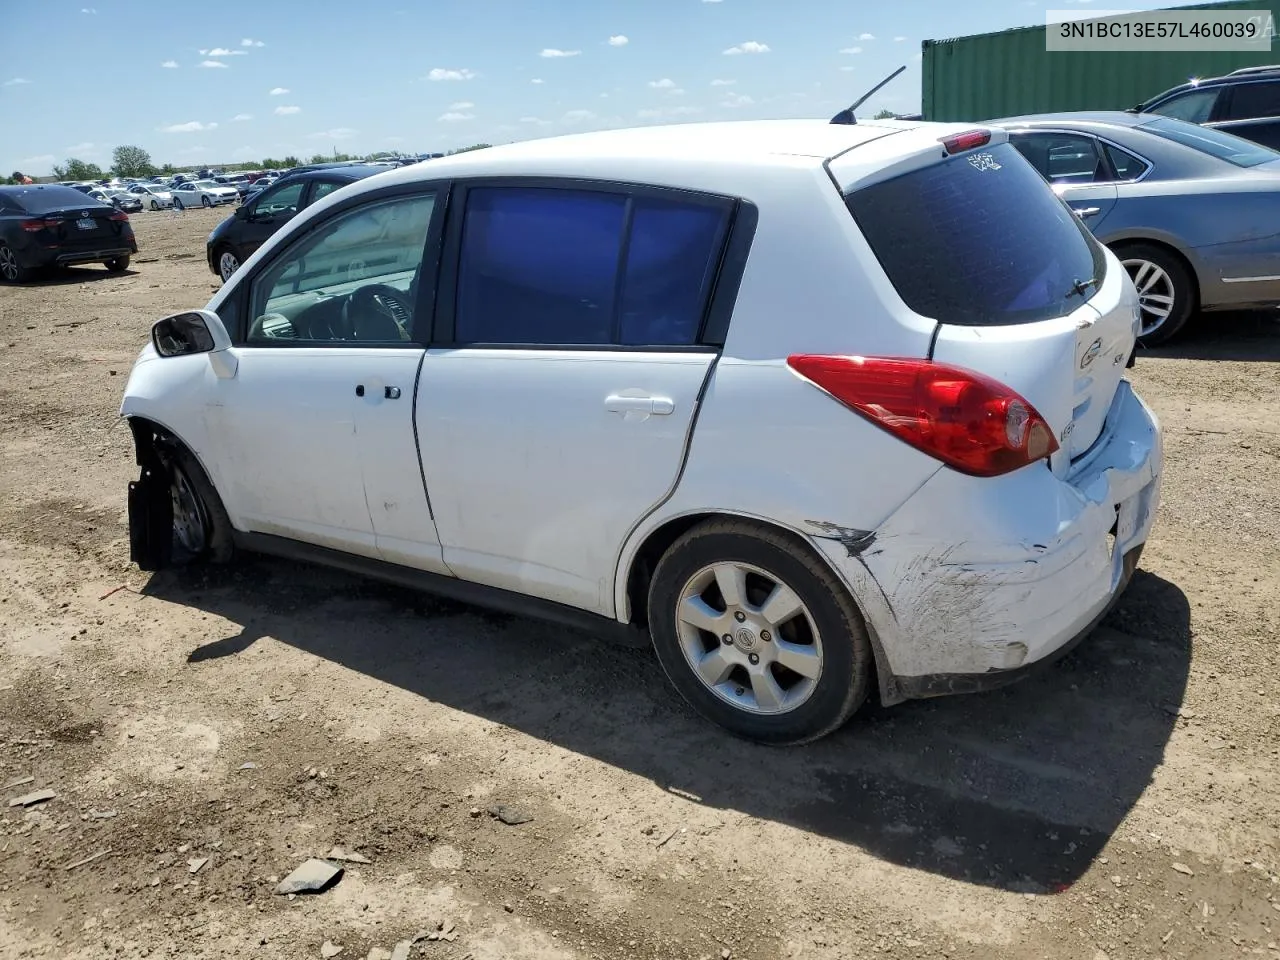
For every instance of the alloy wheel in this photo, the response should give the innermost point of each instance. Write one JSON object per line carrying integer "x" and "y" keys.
{"x": 228, "y": 264}
{"x": 749, "y": 638}
{"x": 190, "y": 521}
{"x": 8, "y": 264}
{"x": 1155, "y": 292}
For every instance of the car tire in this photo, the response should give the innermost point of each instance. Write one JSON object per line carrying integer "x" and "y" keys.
{"x": 177, "y": 204}
{"x": 228, "y": 262}
{"x": 745, "y": 649}
{"x": 155, "y": 206}
{"x": 202, "y": 530}
{"x": 1163, "y": 282}
{"x": 11, "y": 270}
{"x": 206, "y": 202}
{"x": 117, "y": 264}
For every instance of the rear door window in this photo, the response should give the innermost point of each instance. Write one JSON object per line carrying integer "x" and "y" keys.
{"x": 1126, "y": 165}
{"x": 978, "y": 240}
{"x": 1249, "y": 101}
{"x": 1216, "y": 143}
{"x": 1062, "y": 157}
{"x": 1195, "y": 106}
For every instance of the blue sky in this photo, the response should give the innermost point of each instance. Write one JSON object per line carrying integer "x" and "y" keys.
{"x": 238, "y": 81}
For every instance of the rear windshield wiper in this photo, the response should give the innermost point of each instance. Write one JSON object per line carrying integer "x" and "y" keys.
{"x": 1081, "y": 287}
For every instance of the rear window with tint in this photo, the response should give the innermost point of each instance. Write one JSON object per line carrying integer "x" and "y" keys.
{"x": 978, "y": 240}
{"x": 1224, "y": 146}
{"x": 45, "y": 199}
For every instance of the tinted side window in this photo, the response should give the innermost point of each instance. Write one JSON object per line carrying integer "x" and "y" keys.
{"x": 280, "y": 203}
{"x": 1194, "y": 106}
{"x": 538, "y": 266}
{"x": 1061, "y": 157}
{"x": 1127, "y": 166}
{"x": 562, "y": 267}
{"x": 323, "y": 188}
{"x": 1251, "y": 100}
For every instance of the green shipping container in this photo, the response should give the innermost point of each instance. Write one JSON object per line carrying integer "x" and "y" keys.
{"x": 1005, "y": 74}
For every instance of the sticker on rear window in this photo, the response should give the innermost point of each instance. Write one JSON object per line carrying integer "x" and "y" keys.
{"x": 984, "y": 161}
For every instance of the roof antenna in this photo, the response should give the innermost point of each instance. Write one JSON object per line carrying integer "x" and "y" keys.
{"x": 846, "y": 116}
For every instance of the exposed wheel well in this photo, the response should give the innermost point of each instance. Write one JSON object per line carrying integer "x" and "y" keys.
{"x": 1173, "y": 251}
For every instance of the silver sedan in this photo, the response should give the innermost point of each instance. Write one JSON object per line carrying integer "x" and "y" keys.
{"x": 1193, "y": 213}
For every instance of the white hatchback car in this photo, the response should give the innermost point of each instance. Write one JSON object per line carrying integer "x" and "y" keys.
{"x": 822, "y": 408}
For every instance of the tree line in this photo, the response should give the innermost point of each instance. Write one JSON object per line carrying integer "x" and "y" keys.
{"x": 131, "y": 161}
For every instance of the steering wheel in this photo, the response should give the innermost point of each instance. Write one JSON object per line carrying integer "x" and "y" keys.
{"x": 377, "y": 311}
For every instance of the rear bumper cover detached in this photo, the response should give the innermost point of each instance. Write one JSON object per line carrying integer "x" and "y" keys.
{"x": 972, "y": 582}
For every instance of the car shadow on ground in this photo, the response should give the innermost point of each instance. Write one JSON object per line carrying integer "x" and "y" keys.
{"x": 1253, "y": 335}
{"x": 1017, "y": 789}
{"x": 87, "y": 273}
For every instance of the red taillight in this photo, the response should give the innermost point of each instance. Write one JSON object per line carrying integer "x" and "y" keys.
{"x": 966, "y": 141}
{"x": 966, "y": 419}
{"x": 119, "y": 215}
{"x": 40, "y": 223}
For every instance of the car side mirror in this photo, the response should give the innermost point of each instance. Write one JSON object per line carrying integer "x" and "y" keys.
{"x": 196, "y": 331}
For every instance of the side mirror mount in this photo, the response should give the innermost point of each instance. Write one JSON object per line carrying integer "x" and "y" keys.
{"x": 196, "y": 331}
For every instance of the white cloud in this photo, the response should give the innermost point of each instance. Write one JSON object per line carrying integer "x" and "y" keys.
{"x": 455, "y": 116}
{"x": 866, "y": 36}
{"x": 664, "y": 84}
{"x": 898, "y": 39}
{"x": 170, "y": 64}
{"x": 577, "y": 116}
{"x": 242, "y": 116}
{"x": 88, "y": 9}
{"x": 224, "y": 52}
{"x": 287, "y": 111}
{"x": 191, "y": 126}
{"x": 15, "y": 82}
{"x": 604, "y": 96}
{"x": 440, "y": 73}
{"x": 535, "y": 120}
{"x": 461, "y": 105}
{"x": 337, "y": 133}
{"x": 552, "y": 53}
{"x": 851, "y": 50}
{"x": 213, "y": 64}
{"x": 711, "y": 1}
{"x": 247, "y": 42}
{"x": 537, "y": 80}
{"x": 738, "y": 100}
{"x": 848, "y": 69}
{"x": 618, "y": 41}
{"x": 751, "y": 46}
{"x": 723, "y": 83}
{"x": 278, "y": 91}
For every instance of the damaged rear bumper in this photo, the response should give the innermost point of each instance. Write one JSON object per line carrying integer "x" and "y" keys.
{"x": 972, "y": 582}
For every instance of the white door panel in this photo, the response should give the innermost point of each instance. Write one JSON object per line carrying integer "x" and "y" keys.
{"x": 539, "y": 462}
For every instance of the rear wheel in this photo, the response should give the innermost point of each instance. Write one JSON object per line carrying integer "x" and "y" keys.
{"x": 11, "y": 271}
{"x": 758, "y": 634}
{"x": 1166, "y": 290}
{"x": 155, "y": 206}
{"x": 206, "y": 202}
{"x": 117, "y": 264}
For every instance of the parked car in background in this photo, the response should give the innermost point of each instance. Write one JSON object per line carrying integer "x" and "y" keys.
{"x": 126, "y": 201}
{"x": 1189, "y": 210}
{"x": 152, "y": 196}
{"x": 1245, "y": 102}
{"x": 978, "y": 476}
{"x": 203, "y": 193}
{"x": 234, "y": 240}
{"x": 52, "y": 225}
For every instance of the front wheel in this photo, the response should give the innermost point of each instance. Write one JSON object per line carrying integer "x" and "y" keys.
{"x": 117, "y": 264}
{"x": 758, "y": 634}
{"x": 201, "y": 527}
{"x": 1166, "y": 291}
{"x": 228, "y": 263}
{"x": 155, "y": 207}
{"x": 206, "y": 202}
{"x": 177, "y": 204}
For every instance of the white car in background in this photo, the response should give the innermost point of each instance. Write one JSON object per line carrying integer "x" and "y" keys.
{"x": 203, "y": 193}
{"x": 826, "y": 410}
{"x": 152, "y": 195}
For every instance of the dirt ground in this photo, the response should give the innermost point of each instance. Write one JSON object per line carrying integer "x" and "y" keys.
{"x": 205, "y": 732}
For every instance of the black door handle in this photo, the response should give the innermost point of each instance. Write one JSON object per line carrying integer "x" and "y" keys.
{"x": 391, "y": 393}
{"x": 359, "y": 389}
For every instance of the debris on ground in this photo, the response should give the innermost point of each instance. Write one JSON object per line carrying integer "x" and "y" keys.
{"x": 401, "y": 950}
{"x": 329, "y": 949}
{"x": 1183, "y": 868}
{"x": 248, "y": 765}
{"x": 378, "y": 953}
{"x": 80, "y": 863}
{"x": 312, "y": 876}
{"x": 195, "y": 864}
{"x": 342, "y": 854}
{"x": 30, "y": 799}
{"x": 509, "y": 815}
{"x": 20, "y": 782}
{"x": 94, "y": 814}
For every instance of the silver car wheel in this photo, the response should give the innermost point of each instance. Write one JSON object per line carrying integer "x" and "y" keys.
{"x": 190, "y": 521}
{"x": 8, "y": 264}
{"x": 749, "y": 638}
{"x": 227, "y": 265}
{"x": 1155, "y": 292}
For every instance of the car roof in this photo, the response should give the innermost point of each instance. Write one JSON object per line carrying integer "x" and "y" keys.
{"x": 1115, "y": 118}
{"x": 1244, "y": 74}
